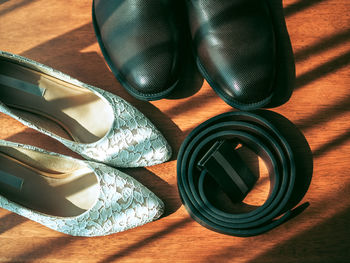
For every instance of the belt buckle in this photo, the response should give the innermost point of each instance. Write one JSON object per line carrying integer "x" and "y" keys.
{"x": 227, "y": 168}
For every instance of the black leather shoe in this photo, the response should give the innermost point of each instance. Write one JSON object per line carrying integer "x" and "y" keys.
{"x": 140, "y": 41}
{"x": 235, "y": 45}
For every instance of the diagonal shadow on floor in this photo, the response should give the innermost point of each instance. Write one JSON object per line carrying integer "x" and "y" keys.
{"x": 308, "y": 242}
{"x": 325, "y": 114}
{"x": 14, "y": 6}
{"x": 335, "y": 143}
{"x": 310, "y": 248}
{"x": 54, "y": 244}
{"x": 323, "y": 45}
{"x": 10, "y": 221}
{"x": 323, "y": 70}
{"x": 147, "y": 241}
{"x": 300, "y": 5}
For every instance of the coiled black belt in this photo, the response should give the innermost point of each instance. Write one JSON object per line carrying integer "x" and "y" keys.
{"x": 259, "y": 135}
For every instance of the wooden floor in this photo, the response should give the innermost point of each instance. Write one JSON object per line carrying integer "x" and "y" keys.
{"x": 60, "y": 34}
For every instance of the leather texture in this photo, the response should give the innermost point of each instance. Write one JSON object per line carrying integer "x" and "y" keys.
{"x": 140, "y": 41}
{"x": 228, "y": 170}
{"x": 123, "y": 202}
{"x": 132, "y": 140}
{"x": 234, "y": 42}
{"x": 260, "y": 136}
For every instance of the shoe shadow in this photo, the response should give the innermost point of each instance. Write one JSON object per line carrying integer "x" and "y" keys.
{"x": 14, "y": 6}
{"x": 191, "y": 81}
{"x": 285, "y": 65}
{"x": 10, "y": 221}
{"x": 40, "y": 140}
{"x": 302, "y": 154}
{"x": 166, "y": 192}
{"x": 299, "y": 6}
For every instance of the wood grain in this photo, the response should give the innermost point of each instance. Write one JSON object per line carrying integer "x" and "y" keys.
{"x": 60, "y": 34}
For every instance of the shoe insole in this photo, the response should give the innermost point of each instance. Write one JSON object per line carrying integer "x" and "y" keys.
{"x": 55, "y": 193}
{"x": 64, "y": 109}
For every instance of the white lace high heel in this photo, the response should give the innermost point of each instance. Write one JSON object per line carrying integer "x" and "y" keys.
{"x": 79, "y": 198}
{"x": 94, "y": 123}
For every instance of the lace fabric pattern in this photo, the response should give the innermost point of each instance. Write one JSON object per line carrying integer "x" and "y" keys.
{"x": 132, "y": 141}
{"x": 123, "y": 203}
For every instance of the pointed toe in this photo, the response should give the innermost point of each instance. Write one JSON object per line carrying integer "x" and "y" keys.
{"x": 81, "y": 198}
{"x": 94, "y": 123}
